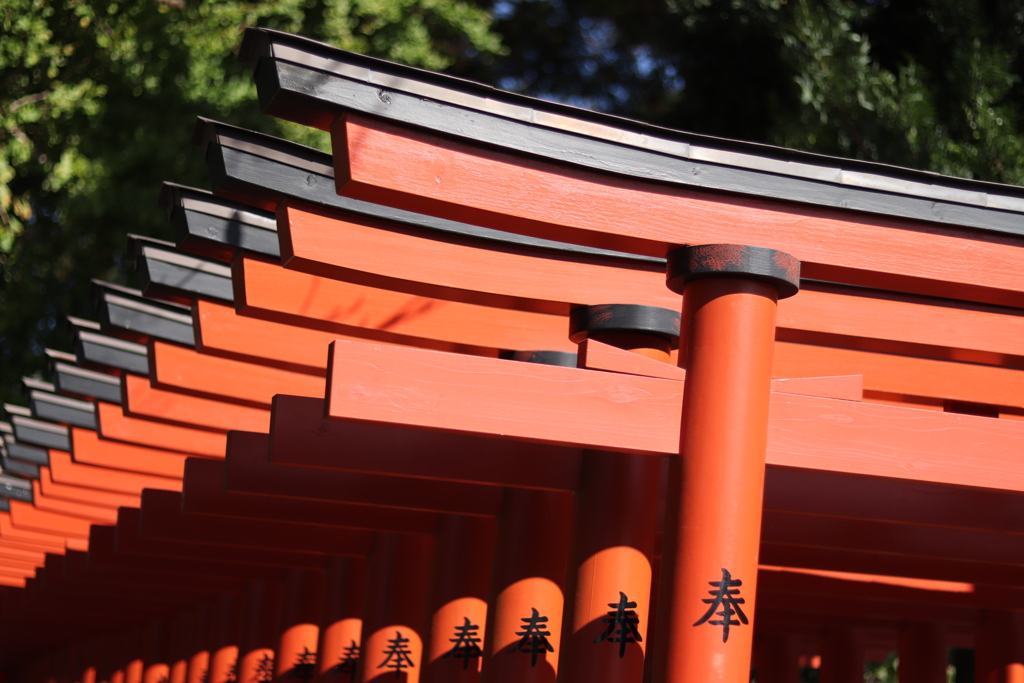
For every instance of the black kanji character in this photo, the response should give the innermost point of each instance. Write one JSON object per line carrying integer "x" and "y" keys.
{"x": 622, "y": 622}
{"x": 264, "y": 670}
{"x": 349, "y": 661}
{"x": 534, "y": 640}
{"x": 397, "y": 655}
{"x": 305, "y": 666}
{"x": 232, "y": 676}
{"x": 724, "y": 596}
{"x": 467, "y": 644}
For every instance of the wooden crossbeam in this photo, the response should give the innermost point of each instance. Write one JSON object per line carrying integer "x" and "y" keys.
{"x": 268, "y": 291}
{"x": 115, "y": 425}
{"x": 455, "y": 180}
{"x": 88, "y": 448}
{"x": 590, "y": 409}
{"x": 176, "y": 368}
{"x": 142, "y": 400}
{"x": 64, "y": 471}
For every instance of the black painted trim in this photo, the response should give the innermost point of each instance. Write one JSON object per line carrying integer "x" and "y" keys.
{"x": 126, "y": 309}
{"x": 290, "y": 89}
{"x": 736, "y": 261}
{"x": 99, "y": 349}
{"x": 632, "y": 318}
{"x": 39, "y": 433}
{"x": 82, "y": 382}
{"x": 166, "y": 273}
{"x": 26, "y": 453}
{"x": 565, "y": 359}
{"x": 22, "y": 469}
{"x": 63, "y": 410}
{"x": 260, "y": 170}
{"x": 210, "y": 226}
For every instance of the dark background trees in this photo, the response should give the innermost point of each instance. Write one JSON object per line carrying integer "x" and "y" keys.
{"x": 97, "y": 99}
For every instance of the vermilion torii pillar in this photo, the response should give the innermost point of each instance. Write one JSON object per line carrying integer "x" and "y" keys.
{"x": 608, "y": 605}
{"x": 716, "y": 483}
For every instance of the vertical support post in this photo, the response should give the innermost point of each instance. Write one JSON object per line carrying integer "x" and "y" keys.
{"x": 842, "y": 656}
{"x": 259, "y": 632}
{"x": 301, "y": 608}
{"x": 178, "y": 647}
{"x": 530, "y": 557}
{"x": 225, "y": 630}
{"x": 342, "y": 626}
{"x": 923, "y": 655}
{"x": 198, "y": 644}
{"x": 999, "y": 647}
{"x": 395, "y": 617}
{"x": 777, "y": 659}
{"x": 154, "y": 654}
{"x": 615, "y": 521}
{"x": 462, "y": 576}
{"x": 716, "y": 483}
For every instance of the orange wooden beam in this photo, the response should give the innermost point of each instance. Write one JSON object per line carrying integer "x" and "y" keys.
{"x": 204, "y": 494}
{"x": 266, "y": 290}
{"x": 83, "y": 494}
{"x": 97, "y": 513}
{"x": 176, "y": 368}
{"x": 527, "y": 196}
{"x": 26, "y": 516}
{"x": 142, "y": 400}
{"x": 88, "y": 448}
{"x": 114, "y": 424}
{"x": 585, "y": 408}
{"x": 64, "y": 471}
{"x": 162, "y": 518}
{"x": 48, "y": 541}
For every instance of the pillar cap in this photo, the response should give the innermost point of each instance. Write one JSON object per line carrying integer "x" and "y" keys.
{"x": 563, "y": 358}
{"x": 629, "y": 318}
{"x": 734, "y": 260}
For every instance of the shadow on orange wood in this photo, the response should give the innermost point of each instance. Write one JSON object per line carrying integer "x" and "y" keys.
{"x": 64, "y": 471}
{"x": 83, "y": 494}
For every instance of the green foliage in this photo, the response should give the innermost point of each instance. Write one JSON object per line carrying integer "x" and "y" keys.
{"x": 97, "y": 102}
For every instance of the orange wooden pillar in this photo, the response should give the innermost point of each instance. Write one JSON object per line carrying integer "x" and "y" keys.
{"x": 225, "y": 627}
{"x": 301, "y": 611}
{"x": 527, "y": 601}
{"x": 615, "y": 521}
{"x": 156, "y": 668}
{"x": 179, "y": 646}
{"x": 999, "y": 647}
{"x": 395, "y": 615}
{"x": 462, "y": 576}
{"x": 259, "y": 632}
{"x": 198, "y": 644}
{"x": 922, "y": 651}
{"x": 842, "y": 656}
{"x": 341, "y": 629}
{"x": 716, "y": 483}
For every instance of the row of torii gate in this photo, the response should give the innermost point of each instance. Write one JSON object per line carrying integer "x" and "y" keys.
{"x": 426, "y": 410}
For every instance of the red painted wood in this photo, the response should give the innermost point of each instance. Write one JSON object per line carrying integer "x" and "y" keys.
{"x": 64, "y": 471}
{"x": 300, "y": 435}
{"x": 88, "y": 449}
{"x": 48, "y": 541}
{"x": 83, "y": 494}
{"x": 104, "y": 514}
{"x": 575, "y": 407}
{"x": 26, "y": 516}
{"x": 163, "y": 519}
{"x": 346, "y": 247}
{"x": 249, "y": 472}
{"x": 142, "y": 400}
{"x": 459, "y": 181}
{"x": 905, "y": 374}
{"x": 922, "y": 651}
{"x": 204, "y": 494}
{"x": 341, "y": 633}
{"x": 596, "y": 355}
{"x": 114, "y": 424}
{"x": 268, "y": 291}
{"x": 130, "y": 541}
{"x": 176, "y": 368}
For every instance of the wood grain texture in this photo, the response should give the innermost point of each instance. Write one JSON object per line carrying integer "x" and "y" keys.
{"x": 144, "y": 401}
{"x": 115, "y": 425}
{"x": 266, "y": 290}
{"x": 591, "y": 409}
{"x": 335, "y": 245}
{"x": 88, "y": 448}
{"x": 180, "y": 369}
{"x": 300, "y": 435}
{"x": 455, "y": 180}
